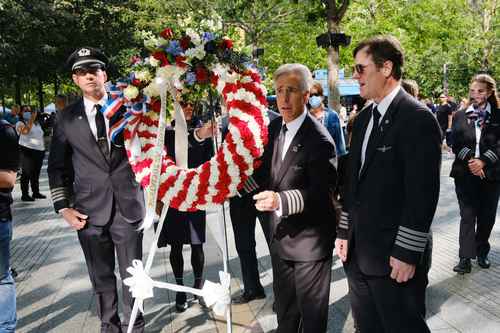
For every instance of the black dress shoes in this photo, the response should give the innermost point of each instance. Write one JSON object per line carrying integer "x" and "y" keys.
{"x": 483, "y": 262}
{"x": 248, "y": 296}
{"x": 181, "y": 304}
{"x": 27, "y": 198}
{"x": 39, "y": 196}
{"x": 463, "y": 266}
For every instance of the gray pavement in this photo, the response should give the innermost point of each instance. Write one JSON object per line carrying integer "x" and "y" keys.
{"x": 54, "y": 292}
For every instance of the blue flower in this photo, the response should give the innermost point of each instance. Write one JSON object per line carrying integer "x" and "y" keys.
{"x": 208, "y": 36}
{"x": 190, "y": 78}
{"x": 174, "y": 48}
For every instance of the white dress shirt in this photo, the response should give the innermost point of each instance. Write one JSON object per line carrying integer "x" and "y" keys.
{"x": 382, "y": 109}
{"x": 292, "y": 129}
{"x": 478, "y": 129}
{"x": 91, "y": 111}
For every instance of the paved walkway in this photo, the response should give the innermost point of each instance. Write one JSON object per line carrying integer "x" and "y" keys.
{"x": 54, "y": 293}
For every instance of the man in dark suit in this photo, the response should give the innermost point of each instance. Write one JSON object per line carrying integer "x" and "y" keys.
{"x": 108, "y": 203}
{"x": 296, "y": 181}
{"x": 243, "y": 219}
{"x": 392, "y": 193}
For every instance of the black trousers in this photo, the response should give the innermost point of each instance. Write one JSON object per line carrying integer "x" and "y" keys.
{"x": 478, "y": 201}
{"x": 301, "y": 291}
{"x": 243, "y": 216}
{"x": 31, "y": 164}
{"x": 382, "y": 305}
{"x": 99, "y": 244}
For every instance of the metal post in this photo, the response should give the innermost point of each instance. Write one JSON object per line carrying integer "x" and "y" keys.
{"x": 225, "y": 250}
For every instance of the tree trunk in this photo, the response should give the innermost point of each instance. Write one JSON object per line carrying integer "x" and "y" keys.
{"x": 333, "y": 69}
{"x": 40, "y": 94}
{"x": 56, "y": 85}
{"x": 488, "y": 13}
{"x": 333, "y": 59}
{"x": 17, "y": 88}
{"x": 3, "y": 102}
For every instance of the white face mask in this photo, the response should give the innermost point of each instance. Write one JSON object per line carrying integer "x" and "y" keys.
{"x": 315, "y": 101}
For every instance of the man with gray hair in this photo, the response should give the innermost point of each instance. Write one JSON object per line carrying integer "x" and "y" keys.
{"x": 293, "y": 188}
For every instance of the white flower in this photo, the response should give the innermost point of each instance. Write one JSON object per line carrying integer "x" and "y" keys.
{"x": 152, "y": 90}
{"x": 172, "y": 74}
{"x": 196, "y": 52}
{"x": 131, "y": 92}
{"x": 143, "y": 75}
{"x": 195, "y": 38}
{"x": 160, "y": 41}
{"x": 150, "y": 43}
{"x": 153, "y": 61}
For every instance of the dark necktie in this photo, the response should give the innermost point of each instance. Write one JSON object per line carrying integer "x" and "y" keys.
{"x": 375, "y": 128}
{"x": 277, "y": 157}
{"x": 102, "y": 139}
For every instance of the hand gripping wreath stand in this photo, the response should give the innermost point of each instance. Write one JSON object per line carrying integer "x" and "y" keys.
{"x": 141, "y": 285}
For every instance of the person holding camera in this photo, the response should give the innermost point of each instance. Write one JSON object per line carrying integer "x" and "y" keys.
{"x": 32, "y": 153}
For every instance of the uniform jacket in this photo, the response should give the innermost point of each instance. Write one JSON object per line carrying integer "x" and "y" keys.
{"x": 464, "y": 144}
{"x": 390, "y": 203}
{"x": 305, "y": 184}
{"x": 76, "y": 164}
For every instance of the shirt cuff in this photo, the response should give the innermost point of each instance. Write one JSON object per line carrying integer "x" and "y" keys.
{"x": 279, "y": 211}
{"x": 196, "y": 136}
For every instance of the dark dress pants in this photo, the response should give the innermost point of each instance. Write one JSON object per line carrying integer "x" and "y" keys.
{"x": 301, "y": 291}
{"x": 382, "y": 305}
{"x": 243, "y": 216}
{"x": 31, "y": 164}
{"x": 478, "y": 201}
{"x": 99, "y": 244}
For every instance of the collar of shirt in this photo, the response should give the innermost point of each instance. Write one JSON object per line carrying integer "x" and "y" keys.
{"x": 293, "y": 126}
{"x": 471, "y": 108}
{"x": 292, "y": 129}
{"x": 89, "y": 105}
{"x": 386, "y": 101}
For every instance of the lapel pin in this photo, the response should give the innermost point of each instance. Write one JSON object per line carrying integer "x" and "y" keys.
{"x": 295, "y": 149}
{"x": 80, "y": 117}
{"x": 387, "y": 121}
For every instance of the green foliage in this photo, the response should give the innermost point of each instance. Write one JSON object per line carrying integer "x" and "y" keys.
{"x": 37, "y": 36}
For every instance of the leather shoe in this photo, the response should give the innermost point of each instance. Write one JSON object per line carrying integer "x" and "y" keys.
{"x": 39, "y": 196}
{"x": 248, "y": 296}
{"x": 27, "y": 198}
{"x": 181, "y": 302}
{"x": 463, "y": 266}
{"x": 483, "y": 262}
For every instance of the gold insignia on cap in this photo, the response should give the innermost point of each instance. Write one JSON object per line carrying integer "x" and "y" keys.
{"x": 84, "y": 52}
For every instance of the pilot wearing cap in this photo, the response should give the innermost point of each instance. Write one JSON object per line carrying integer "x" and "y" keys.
{"x": 107, "y": 206}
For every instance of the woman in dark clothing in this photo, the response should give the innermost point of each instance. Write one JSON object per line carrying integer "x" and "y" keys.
{"x": 476, "y": 170}
{"x": 187, "y": 227}
{"x": 32, "y": 153}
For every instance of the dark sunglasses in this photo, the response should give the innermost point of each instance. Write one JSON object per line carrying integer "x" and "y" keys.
{"x": 358, "y": 68}
{"x": 85, "y": 71}
{"x": 316, "y": 94}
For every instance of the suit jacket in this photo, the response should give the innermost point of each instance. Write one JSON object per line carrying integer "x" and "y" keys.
{"x": 391, "y": 201}
{"x": 76, "y": 164}
{"x": 464, "y": 144}
{"x": 305, "y": 184}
